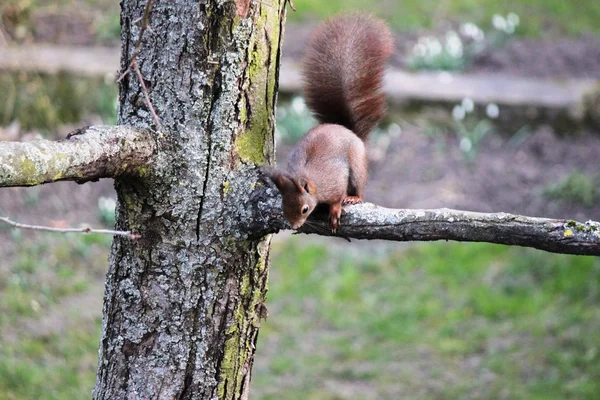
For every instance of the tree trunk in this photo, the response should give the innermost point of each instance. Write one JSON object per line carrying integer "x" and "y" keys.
{"x": 183, "y": 304}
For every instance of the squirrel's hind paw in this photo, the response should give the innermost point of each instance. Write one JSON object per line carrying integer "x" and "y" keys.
{"x": 335, "y": 214}
{"x": 352, "y": 200}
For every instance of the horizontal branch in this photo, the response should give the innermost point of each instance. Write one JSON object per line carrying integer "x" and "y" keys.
{"x": 368, "y": 221}
{"x": 88, "y": 154}
{"x": 86, "y": 229}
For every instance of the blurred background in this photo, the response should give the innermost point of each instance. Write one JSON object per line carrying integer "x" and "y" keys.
{"x": 494, "y": 106}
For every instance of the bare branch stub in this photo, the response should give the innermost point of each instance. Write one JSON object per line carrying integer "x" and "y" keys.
{"x": 88, "y": 154}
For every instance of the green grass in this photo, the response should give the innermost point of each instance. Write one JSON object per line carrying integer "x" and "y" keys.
{"x": 559, "y": 16}
{"x": 577, "y": 188}
{"x": 45, "y": 102}
{"x": 44, "y": 271}
{"x": 55, "y": 366}
{"x": 39, "y": 277}
{"x": 410, "y": 323}
{"x": 360, "y": 321}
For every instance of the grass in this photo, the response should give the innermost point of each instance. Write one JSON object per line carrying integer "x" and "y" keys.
{"x": 429, "y": 321}
{"x": 55, "y": 366}
{"x": 537, "y": 16}
{"x": 45, "y": 102}
{"x": 57, "y": 362}
{"x": 436, "y": 321}
{"x": 576, "y": 188}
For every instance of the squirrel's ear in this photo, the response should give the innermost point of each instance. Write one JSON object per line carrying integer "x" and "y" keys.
{"x": 303, "y": 184}
{"x": 281, "y": 180}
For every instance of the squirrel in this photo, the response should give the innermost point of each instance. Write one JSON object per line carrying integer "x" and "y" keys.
{"x": 343, "y": 75}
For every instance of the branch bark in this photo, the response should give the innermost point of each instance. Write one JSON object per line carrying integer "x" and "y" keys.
{"x": 88, "y": 154}
{"x": 368, "y": 221}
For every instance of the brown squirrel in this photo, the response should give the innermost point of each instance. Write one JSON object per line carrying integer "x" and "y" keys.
{"x": 343, "y": 73}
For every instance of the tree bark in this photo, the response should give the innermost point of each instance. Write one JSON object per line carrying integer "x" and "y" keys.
{"x": 183, "y": 304}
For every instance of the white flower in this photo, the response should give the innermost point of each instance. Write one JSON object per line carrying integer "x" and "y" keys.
{"x": 454, "y": 45}
{"x": 472, "y": 31}
{"x": 106, "y": 204}
{"x": 420, "y": 49}
{"x": 465, "y": 145}
{"x": 499, "y": 22}
{"x": 468, "y": 104}
{"x": 469, "y": 29}
{"x": 513, "y": 19}
{"x": 458, "y": 113}
{"x": 434, "y": 47}
{"x": 298, "y": 105}
{"x": 394, "y": 130}
{"x": 492, "y": 110}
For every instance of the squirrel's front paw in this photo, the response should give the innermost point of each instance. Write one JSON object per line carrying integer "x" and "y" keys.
{"x": 352, "y": 200}
{"x": 335, "y": 214}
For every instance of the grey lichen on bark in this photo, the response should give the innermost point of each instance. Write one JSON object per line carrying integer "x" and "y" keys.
{"x": 88, "y": 154}
{"x": 183, "y": 304}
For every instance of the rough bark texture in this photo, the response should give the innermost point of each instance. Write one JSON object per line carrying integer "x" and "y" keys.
{"x": 368, "y": 221}
{"x": 88, "y": 154}
{"x": 183, "y": 304}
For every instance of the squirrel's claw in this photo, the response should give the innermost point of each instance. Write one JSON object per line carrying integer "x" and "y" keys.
{"x": 335, "y": 214}
{"x": 352, "y": 200}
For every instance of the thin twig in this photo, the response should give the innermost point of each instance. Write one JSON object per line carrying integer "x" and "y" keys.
{"x": 143, "y": 28}
{"x": 147, "y": 95}
{"x": 134, "y": 65}
{"x": 129, "y": 234}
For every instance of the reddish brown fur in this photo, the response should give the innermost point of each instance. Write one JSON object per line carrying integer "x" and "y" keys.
{"x": 343, "y": 73}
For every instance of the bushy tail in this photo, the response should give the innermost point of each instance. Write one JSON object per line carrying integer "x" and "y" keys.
{"x": 343, "y": 71}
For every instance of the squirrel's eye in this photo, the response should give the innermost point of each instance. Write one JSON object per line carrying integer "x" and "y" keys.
{"x": 304, "y": 209}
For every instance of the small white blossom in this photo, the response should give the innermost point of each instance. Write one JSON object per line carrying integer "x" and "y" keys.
{"x": 499, "y": 22}
{"x": 298, "y": 105}
{"x": 465, "y": 145}
{"x": 469, "y": 29}
{"x": 472, "y": 31}
{"x": 420, "y": 49}
{"x": 513, "y": 19}
{"x": 458, "y": 113}
{"x": 492, "y": 110}
{"x": 106, "y": 203}
{"x": 394, "y": 130}
{"x": 468, "y": 104}
{"x": 434, "y": 46}
{"x": 454, "y": 45}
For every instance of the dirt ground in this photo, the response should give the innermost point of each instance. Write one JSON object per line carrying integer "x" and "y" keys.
{"x": 537, "y": 58}
{"x": 420, "y": 171}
